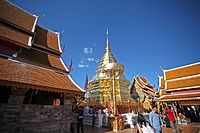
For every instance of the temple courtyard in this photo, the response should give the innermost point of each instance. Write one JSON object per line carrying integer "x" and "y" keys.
{"x": 190, "y": 128}
{"x": 39, "y": 93}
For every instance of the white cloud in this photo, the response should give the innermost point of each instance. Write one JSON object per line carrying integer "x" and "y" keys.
{"x": 83, "y": 60}
{"x": 82, "y": 65}
{"x": 90, "y": 59}
{"x": 87, "y": 50}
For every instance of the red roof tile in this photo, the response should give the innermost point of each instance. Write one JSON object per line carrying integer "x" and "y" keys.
{"x": 14, "y": 36}
{"x": 33, "y": 56}
{"x": 184, "y": 83}
{"x": 16, "y": 16}
{"x": 180, "y": 97}
{"x": 46, "y": 39}
{"x": 29, "y": 76}
{"x": 144, "y": 83}
{"x": 183, "y": 71}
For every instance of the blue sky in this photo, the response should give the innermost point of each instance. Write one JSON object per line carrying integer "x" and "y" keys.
{"x": 143, "y": 34}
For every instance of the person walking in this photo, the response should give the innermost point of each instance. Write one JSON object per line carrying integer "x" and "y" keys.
{"x": 166, "y": 120}
{"x": 80, "y": 119}
{"x": 172, "y": 119}
{"x": 155, "y": 120}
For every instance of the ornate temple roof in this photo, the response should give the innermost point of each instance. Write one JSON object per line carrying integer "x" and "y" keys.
{"x": 19, "y": 28}
{"x": 26, "y": 75}
{"x": 186, "y": 83}
{"x": 183, "y": 71}
{"x": 8, "y": 10}
{"x": 184, "y": 77}
{"x": 47, "y": 60}
{"x": 181, "y": 83}
{"x": 14, "y": 36}
{"x": 190, "y": 96}
{"x": 145, "y": 85}
{"x": 31, "y": 54}
{"x": 46, "y": 39}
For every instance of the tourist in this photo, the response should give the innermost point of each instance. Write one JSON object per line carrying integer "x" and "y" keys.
{"x": 166, "y": 120}
{"x": 80, "y": 119}
{"x": 192, "y": 113}
{"x": 172, "y": 119}
{"x": 142, "y": 125}
{"x": 86, "y": 110}
{"x": 91, "y": 110}
{"x": 99, "y": 111}
{"x": 105, "y": 111}
{"x": 155, "y": 120}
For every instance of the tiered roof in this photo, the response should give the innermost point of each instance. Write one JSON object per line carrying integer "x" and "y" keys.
{"x": 38, "y": 62}
{"x": 185, "y": 77}
{"x": 184, "y": 71}
{"x": 180, "y": 83}
{"x": 17, "y": 25}
{"x": 144, "y": 85}
{"x": 185, "y": 83}
{"x": 46, "y": 39}
{"x": 34, "y": 56}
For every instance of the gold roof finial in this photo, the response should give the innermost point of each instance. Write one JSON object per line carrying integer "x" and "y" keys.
{"x": 106, "y": 37}
{"x": 107, "y": 42}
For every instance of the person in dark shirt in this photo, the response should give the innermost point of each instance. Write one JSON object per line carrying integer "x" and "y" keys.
{"x": 80, "y": 119}
{"x": 166, "y": 120}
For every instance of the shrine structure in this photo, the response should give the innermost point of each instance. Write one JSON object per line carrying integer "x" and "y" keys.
{"x": 181, "y": 84}
{"x": 100, "y": 90}
{"x": 180, "y": 87}
{"x": 36, "y": 90}
{"x": 143, "y": 92}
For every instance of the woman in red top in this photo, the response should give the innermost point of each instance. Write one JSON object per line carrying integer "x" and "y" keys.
{"x": 172, "y": 119}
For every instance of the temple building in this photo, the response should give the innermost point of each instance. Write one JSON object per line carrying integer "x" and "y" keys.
{"x": 180, "y": 87}
{"x": 36, "y": 90}
{"x": 143, "y": 92}
{"x": 181, "y": 84}
{"x": 100, "y": 91}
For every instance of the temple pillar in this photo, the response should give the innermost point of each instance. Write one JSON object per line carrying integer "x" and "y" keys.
{"x": 67, "y": 113}
{"x": 68, "y": 99}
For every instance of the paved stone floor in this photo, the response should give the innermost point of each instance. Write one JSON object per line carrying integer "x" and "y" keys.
{"x": 190, "y": 128}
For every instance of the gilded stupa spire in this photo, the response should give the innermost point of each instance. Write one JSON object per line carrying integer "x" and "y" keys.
{"x": 104, "y": 90}
{"x": 107, "y": 43}
{"x": 107, "y": 58}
